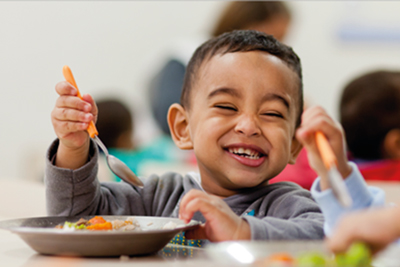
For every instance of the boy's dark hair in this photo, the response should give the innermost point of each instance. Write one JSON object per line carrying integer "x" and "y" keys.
{"x": 114, "y": 118}
{"x": 369, "y": 109}
{"x": 241, "y": 41}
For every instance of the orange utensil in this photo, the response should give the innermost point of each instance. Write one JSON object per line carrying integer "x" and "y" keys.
{"x": 335, "y": 178}
{"x": 116, "y": 166}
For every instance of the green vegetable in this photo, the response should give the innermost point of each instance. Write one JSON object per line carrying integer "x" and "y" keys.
{"x": 312, "y": 259}
{"x": 73, "y": 225}
{"x": 82, "y": 226}
{"x": 358, "y": 255}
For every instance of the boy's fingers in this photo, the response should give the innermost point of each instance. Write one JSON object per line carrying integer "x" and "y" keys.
{"x": 65, "y": 114}
{"x": 324, "y": 124}
{"x": 73, "y": 102}
{"x": 345, "y": 234}
{"x": 336, "y": 246}
{"x": 312, "y": 112}
{"x": 340, "y": 241}
{"x": 316, "y": 119}
{"x": 307, "y": 139}
{"x": 319, "y": 121}
{"x": 197, "y": 233}
{"x": 89, "y": 99}
{"x": 65, "y": 88}
{"x": 197, "y": 204}
{"x": 194, "y": 193}
{"x": 194, "y": 201}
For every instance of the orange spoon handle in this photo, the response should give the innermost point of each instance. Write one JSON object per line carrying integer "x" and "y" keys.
{"x": 70, "y": 78}
{"x": 328, "y": 157}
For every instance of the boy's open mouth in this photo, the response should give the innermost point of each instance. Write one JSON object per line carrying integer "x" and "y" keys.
{"x": 248, "y": 155}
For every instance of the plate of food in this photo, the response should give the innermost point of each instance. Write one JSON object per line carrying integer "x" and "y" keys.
{"x": 97, "y": 236}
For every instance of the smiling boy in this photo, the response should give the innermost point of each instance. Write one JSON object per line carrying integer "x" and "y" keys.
{"x": 243, "y": 117}
{"x": 240, "y": 107}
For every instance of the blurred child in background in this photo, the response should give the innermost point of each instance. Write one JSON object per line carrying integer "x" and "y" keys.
{"x": 370, "y": 115}
{"x": 115, "y": 124}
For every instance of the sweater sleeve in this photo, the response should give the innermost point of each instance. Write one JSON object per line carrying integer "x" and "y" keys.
{"x": 363, "y": 196}
{"x": 292, "y": 215}
{"x": 78, "y": 192}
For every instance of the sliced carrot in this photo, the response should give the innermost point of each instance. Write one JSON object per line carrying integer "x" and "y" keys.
{"x": 281, "y": 257}
{"x": 96, "y": 220}
{"x": 100, "y": 226}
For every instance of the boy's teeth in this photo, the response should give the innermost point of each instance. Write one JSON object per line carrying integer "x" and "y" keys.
{"x": 247, "y": 153}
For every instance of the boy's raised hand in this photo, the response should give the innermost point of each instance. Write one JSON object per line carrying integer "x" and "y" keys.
{"x": 316, "y": 119}
{"x": 70, "y": 118}
{"x": 221, "y": 224}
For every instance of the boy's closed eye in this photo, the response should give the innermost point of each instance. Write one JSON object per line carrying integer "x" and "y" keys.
{"x": 226, "y": 107}
{"x": 273, "y": 114}
{"x": 231, "y": 108}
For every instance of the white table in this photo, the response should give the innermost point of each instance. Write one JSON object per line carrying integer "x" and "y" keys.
{"x": 21, "y": 199}
{"x": 15, "y": 252}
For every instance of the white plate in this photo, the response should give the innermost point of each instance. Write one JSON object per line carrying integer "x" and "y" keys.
{"x": 40, "y": 234}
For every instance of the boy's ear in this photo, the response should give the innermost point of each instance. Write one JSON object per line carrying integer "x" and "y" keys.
{"x": 179, "y": 126}
{"x": 391, "y": 144}
{"x": 294, "y": 150}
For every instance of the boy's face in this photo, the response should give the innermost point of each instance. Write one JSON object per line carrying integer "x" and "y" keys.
{"x": 241, "y": 120}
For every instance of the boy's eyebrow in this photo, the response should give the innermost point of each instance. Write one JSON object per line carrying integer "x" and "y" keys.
{"x": 272, "y": 96}
{"x": 233, "y": 92}
{"x": 224, "y": 90}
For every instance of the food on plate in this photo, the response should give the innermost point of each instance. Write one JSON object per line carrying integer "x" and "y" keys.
{"x": 96, "y": 220}
{"x": 170, "y": 225}
{"x": 277, "y": 259}
{"x": 99, "y": 223}
{"x": 100, "y": 226}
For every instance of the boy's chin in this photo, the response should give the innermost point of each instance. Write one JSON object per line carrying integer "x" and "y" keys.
{"x": 247, "y": 181}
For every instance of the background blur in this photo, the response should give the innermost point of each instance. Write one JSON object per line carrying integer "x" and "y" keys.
{"x": 118, "y": 45}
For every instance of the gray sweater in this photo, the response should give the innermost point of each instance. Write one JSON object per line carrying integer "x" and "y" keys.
{"x": 278, "y": 211}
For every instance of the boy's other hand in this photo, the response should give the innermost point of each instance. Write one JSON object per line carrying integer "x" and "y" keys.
{"x": 221, "y": 224}
{"x": 316, "y": 119}
{"x": 70, "y": 118}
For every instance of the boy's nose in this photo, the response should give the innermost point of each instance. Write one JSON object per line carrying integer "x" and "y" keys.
{"x": 248, "y": 126}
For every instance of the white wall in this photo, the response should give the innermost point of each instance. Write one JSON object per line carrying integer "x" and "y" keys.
{"x": 117, "y": 45}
